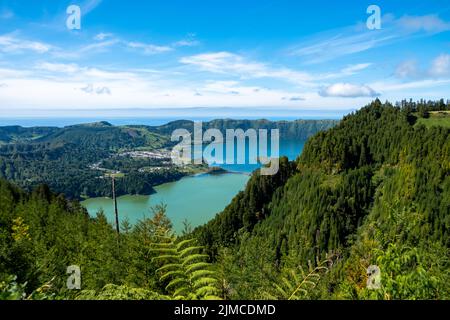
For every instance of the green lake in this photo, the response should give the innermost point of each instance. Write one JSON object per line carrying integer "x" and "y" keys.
{"x": 196, "y": 198}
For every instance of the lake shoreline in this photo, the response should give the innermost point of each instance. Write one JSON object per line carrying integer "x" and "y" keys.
{"x": 210, "y": 170}
{"x": 197, "y": 198}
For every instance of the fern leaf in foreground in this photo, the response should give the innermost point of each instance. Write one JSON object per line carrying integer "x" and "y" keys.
{"x": 295, "y": 284}
{"x": 185, "y": 271}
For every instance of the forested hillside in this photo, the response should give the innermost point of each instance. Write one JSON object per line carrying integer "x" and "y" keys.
{"x": 375, "y": 190}
{"x": 297, "y": 129}
{"x": 64, "y": 159}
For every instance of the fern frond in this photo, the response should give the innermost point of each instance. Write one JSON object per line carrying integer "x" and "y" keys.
{"x": 204, "y": 282}
{"x": 297, "y": 282}
{"x": 183, "y": 243}
{"x": 188, "y": 251}
{"x": 281, "y": 291}
{"x": 170, "y": 267}
{"x": 200, "y": 273}
{"x": 168, "y": 251}
{"x": 164, "y": 257}
{"x": 176, "y": 282}
{"x": 175, "y": 273}
{"x": 162, "y": 244}
{"x": 287, "y": 284}
{"x": 206, "y": 291}
{"x": 189, "y": 259}
{"x": 186, "y": 269}
{"x": 180, "y": 292}
{"x": 197, "y": 266}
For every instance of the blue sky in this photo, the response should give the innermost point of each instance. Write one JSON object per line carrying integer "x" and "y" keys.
{"x": 215, "y": 53}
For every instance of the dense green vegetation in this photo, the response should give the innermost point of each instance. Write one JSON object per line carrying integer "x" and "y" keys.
{"x": 375, "y": 190}
{"x": 63, "y": 160}
{"x": 372, "y": 191}
{"x": 41, "y": 234}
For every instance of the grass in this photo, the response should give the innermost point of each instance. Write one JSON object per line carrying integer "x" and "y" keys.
{"x": 437, "y": 118}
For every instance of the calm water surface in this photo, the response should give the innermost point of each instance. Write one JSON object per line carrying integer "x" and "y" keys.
{"x": 196, "y": 198}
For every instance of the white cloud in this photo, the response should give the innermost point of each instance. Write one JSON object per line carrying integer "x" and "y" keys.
{"x": 345, "y": 72}
{"x": 221, "y": 86}
{"x": 102, "y": 36}
{"x": 350, "y": 40}
{"x": 91, "y": 89}
{"x": 83, "y": 51}
{"x": 228, "y": 63}
{"x": 428, "y": 23}
{"x": 149, "y": 49}
{"x": 106, "y": 75}
{"x": 186, "y": 43}
{"x": 218, "y": 62}
{"x": 347, "y": 90}
{"x": 88, "y": 89}
{"x": 69, "y": 85}
{"x": 53, "y": 94}
{"x": 390, "y": 86}
{"x": 353, "y": 69}
{"x": 294, "y": 98}
{"x": 62, "y": 86}
{"x": 407, "y": 69}
{"x": 73, "y": 72}
{"x": 42, "y": 88}
{"x": 440, "y": 67}
{"x": 103, "y": 90}
{"x": 12, "y": 73}
{"x": 233, "y": 64}
{"x": 189, "y": 41}
{"x": 11, "y": 44}
{"x": 58, "y": 67}
{"x": 104, "y": 41}
{"x": 339, "y": 45}
{"x": 97, "y": 47}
